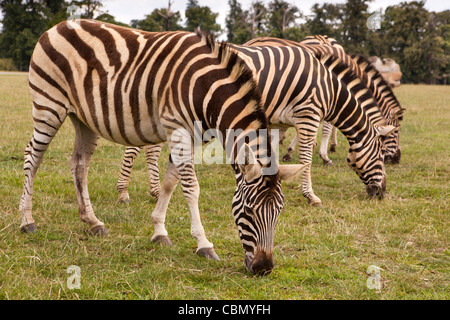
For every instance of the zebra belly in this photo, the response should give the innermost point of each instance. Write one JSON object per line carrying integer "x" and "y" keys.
{"x": 126, "y": 126}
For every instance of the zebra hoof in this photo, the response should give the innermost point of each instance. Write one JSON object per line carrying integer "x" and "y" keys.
{"x": 98, "y": 231}
{"x": 155, "y": 195}
{"x": 328, "y": 163}
{"x": 208, "y": 253}
{"x": 124, "y": 197}
{"x": 155, "y": 192}
{"x": 286, "y": 158}
{"x": 332, "y": 149}
{"x": 313, "y": 203}
{"x": 28, "y": 228}
{"x": 162, "y": 240}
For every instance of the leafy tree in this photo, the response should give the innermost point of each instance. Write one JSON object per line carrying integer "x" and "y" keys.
{"x": 282, "y": 15}
{"x": 235, "y": 22}
{"x": 410, "y": 39}
{"x": 326, "y": 20}
{"x": 106, "y": 17}
{"x": 354, "y": 26}
{"x": 443, "y": 31}
{"x": 23, "y": 23}
{"x": 170, "y": 17}
{"x": 89, "y": 8}
{"x": 157, "y": 22}
{"x": 201, "y": 17}
{"x": 243, "y": 25}
{"x": 257, "y": 15}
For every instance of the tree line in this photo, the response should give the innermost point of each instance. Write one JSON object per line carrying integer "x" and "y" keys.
{"x": 417, "y": 39}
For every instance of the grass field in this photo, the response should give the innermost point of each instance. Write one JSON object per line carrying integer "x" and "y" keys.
{"x": 320, "y": 253}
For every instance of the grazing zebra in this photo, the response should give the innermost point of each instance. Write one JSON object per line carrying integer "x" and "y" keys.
{"x": 391, "y": 109}
{"x": 300, "y": 90}
{"x": 138, "y": 88}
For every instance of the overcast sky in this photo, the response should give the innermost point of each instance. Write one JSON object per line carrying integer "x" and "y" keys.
{"x": 126, "y": 10}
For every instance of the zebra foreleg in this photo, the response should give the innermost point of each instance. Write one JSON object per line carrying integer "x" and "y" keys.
{"x": 85, "y": 144}
{"x": 182, "y": 153}
{"x": 170, "y": 181}
{"x": 191, "y": 191}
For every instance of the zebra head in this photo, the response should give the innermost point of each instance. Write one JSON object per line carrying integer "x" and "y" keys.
{"x": 392, "y": 140}
{"x": 257, "y": 203}
{"x": 367, "y": 161}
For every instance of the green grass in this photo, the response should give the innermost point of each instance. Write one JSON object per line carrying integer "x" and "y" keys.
{"x": 320, "y": 253}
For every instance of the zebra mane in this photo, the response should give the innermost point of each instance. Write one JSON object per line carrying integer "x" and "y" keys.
{"x": 238, "y": 69}
{"x": 348, "y": 76}
{"x": 369, "y": 68}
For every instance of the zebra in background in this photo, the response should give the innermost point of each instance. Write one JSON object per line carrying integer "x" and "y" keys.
{"x": 391, "y": 109}
{"x": 303, "y": 90}
{"x": 137, "y": 88}
{"x": 152, "y": 152}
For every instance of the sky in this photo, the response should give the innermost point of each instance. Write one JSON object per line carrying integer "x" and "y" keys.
{"x": 127, "y": 10}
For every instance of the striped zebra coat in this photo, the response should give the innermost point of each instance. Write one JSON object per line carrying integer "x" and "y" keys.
{"x": 138, "y": 88}
{"x": 390, "y": 108}
{"x": 300, "y": 90}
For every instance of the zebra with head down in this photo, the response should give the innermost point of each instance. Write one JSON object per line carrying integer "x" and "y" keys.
{"x": 138, "y": 88}
{"x": 392, "y": 111}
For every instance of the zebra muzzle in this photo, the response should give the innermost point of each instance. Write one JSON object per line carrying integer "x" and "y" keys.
{"x": 375, "y": 190}
{"x": 262, "y": 263}
{"x": 393, "y": 158}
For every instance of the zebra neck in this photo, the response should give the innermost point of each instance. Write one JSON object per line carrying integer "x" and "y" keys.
{"x": 259, "y": 142}
{"x": 348, "y": 115}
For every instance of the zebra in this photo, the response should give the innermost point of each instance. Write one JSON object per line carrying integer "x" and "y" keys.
{"x": 152, "y": 152}
{"x": 137, "y": 88}
{"x": 303, "y": 91}
{"x": 389, "y": 106}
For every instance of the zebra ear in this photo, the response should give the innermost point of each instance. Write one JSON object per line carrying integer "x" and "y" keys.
{"x": 289, "y": 171}
{"x": 248, "y": 164}
{"x": 384, "y": 130}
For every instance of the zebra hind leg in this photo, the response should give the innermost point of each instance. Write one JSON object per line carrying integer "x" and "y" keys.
{"x": 326, "y": 132}
{"x": 125, "y": 172}
{"x": 152, "y": 153}
{"x": 43, "y": 133}
{"x": 288, "y": 156}
{"x": 305, "y": 142}
{"x": 334, "y": 142}
{"x": 85, "y": 144}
